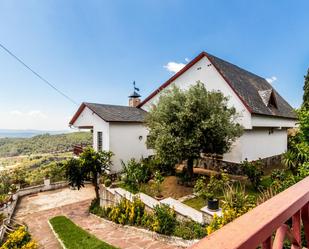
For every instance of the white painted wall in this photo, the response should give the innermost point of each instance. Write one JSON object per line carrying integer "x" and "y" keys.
{"x": 258, "y": 143}
{"x": 213, "y": 81}
{"x": 268, "y": 121}
{"x": 89, "y": 118}
{"x": 125, "y": 142}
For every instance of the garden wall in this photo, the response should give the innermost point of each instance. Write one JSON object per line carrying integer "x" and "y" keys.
{"x": 112, "y": 196}
{"x": 216, "y": 163}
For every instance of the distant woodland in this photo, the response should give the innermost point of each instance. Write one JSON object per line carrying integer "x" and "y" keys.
{"x": 43, "y": 144}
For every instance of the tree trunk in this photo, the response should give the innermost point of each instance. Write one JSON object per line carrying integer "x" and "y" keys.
{"x": 96, "y": 186}
{"x": 190, "y": 167}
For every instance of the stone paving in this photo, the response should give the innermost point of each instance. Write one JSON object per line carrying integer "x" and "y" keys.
{"x": 119, "y": 236}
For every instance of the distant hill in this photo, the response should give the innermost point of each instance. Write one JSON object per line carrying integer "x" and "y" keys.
{"x": 45, "y": 143}
{"x": 27, "y": 133}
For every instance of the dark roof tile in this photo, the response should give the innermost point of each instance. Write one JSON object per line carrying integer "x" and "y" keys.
{"x": 117, "y": 113}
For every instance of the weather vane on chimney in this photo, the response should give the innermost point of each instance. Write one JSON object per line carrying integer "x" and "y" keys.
{"x": 135, "y": 93}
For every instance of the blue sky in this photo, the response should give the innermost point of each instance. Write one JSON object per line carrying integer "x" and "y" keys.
{"x": 93, "y": 50}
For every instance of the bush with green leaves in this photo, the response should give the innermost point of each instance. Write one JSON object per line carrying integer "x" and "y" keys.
{"x": 189, "y": 230}
{"x": 164, "y": 220}
{"x": 213, "y": 188}
{"x": 154, "y": 164}
{"x": 235, "y": 203}
{"x": 135, "y": 173}
{"x": 277, "y": 175}
{"x": 158, "y": 180}
{"x": 254, "y": 172}
{"x": 235, "y": 197}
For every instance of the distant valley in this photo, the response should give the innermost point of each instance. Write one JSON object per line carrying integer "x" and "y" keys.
{"x": 27, "y": 133}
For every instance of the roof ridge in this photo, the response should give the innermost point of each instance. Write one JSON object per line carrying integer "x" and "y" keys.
{"x": 91, "y": 103}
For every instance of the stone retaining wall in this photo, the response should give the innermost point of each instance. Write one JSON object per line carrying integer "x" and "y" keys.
{"x": 217, "y": 164}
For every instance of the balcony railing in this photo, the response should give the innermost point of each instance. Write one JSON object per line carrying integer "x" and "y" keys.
{"x": 266, "y": 225}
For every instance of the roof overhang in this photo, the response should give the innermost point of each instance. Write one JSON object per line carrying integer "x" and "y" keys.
{"x": 76, "y": 115}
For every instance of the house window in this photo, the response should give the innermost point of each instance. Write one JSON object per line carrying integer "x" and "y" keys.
{"x": 99, "y": 140}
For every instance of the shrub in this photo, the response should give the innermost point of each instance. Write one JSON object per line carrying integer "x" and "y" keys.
{"x": 277, "y": 175}
{"x": 266, "y": 195}
{"x": 125, "y": 212}
{"x": 214, "y": 186}
{"x": 254, "y": 172}
{"x": 164, "y": 219}
{"x": 189, "y": 230}
{"x": 235, "y": 197}
{"x": 235, "y": 204}
{"x": 158, "y": 180}
{"x": 135, "y": 173}
{"x": 20, "y": 238}
{"x": 155, "y": 165}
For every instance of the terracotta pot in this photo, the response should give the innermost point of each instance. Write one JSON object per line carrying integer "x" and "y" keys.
{"x": 159, "y": 198}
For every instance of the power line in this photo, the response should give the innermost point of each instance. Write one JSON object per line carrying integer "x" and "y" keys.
{"x": 37, "y": 74}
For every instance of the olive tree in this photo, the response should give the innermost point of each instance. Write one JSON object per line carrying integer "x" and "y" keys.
{"x": 185, "y": 123}
{"x": 89, "y": 166}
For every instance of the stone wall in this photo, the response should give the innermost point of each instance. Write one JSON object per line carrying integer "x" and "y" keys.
{"x": 216, "y": 163}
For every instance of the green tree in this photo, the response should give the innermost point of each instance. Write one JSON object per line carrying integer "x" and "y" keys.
{"x": 89, "y": 166}
{"x": 298, "y": 153}
{"x": 306, "y": 92}
{"x": 185, "y": 123}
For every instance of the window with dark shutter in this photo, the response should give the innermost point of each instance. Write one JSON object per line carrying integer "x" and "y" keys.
{"x": 99, "y": 140}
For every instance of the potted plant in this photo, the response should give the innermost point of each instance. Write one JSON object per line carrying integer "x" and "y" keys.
{"x": 212, "y": 202}
{"x": 158, "y": 179}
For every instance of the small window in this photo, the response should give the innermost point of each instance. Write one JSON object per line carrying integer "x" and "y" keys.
{"x": 272, "y": 101}
{"x": 99, "y": 140}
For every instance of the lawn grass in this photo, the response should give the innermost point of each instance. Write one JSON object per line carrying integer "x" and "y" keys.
{"x": 74, "y": 237}
{"x": 196, "y": 203}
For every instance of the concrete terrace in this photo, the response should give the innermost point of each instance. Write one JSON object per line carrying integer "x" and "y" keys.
{"x": 36, "y": 210}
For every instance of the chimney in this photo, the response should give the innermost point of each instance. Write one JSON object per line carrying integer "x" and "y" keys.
{"x": 134, "y": 98}
{"x": 134, "y": 102}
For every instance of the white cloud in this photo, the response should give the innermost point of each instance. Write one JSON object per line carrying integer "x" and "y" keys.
{"x": 271, "y": 79}
{"x": 187, "y": 59}
{"x": 36, "y": 113}
{"x": 32, "y": 114}
{"x": 174, "y": 67}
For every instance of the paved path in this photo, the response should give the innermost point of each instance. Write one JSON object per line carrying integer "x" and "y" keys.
{"x": 119, "y": 236}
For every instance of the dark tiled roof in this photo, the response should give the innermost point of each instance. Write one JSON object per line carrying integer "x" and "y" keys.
{"x": 117, "y": 113}
{"x": 252, "y": 89}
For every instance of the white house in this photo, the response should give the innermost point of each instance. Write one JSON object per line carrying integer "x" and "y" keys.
{"x": 265, "y": 115}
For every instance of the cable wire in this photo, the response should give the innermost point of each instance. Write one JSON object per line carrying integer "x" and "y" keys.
{"x": 38, "y": 75}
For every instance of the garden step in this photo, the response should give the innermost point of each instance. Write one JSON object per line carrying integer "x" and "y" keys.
{"x": 184, "y": 209}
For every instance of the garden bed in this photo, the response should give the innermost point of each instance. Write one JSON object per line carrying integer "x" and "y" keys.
{"x": 170, "y": 188}
{"x": 72, "y": 236}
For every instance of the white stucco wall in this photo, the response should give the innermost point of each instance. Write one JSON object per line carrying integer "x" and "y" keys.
{"x": 258, "y": 143}
{"x": 268, "y": 121}
{"x": 89, "y": 118}
{"x": 213, "y": 81}
{"x": 125, "y": 142}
